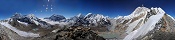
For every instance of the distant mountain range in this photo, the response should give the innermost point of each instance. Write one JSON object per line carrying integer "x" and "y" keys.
{"x": 140, "y": 24}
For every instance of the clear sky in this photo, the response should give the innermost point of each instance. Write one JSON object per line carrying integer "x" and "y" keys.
{"x": 70, "y": 8}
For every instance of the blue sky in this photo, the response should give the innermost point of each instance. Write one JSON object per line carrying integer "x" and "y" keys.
{"x": 70, "y": 8}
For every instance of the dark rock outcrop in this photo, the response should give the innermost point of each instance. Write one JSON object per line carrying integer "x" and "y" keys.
{"x": 78, "y": 33}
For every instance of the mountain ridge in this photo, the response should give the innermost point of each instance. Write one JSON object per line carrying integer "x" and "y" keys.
{"x": 142, "y": 22}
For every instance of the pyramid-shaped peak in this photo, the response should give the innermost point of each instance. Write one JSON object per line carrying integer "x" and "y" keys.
{"x": 56, "y": 15}
{"x": 17, "y": 14}
{"x": 140, "y": 10}
{"x": 79, "y": 15}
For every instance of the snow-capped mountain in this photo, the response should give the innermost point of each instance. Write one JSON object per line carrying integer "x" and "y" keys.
{"x": 27, "y": 19}
{"x": 90, "y": 20}
{"x": 147, "y": 26}
{"x": 55, "y": 17}
{"x": 143, "y": 21}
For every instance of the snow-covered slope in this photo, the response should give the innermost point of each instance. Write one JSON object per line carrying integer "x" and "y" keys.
{"x": 148, "y": 26}
{"x": 132, "y": 26}
{"x": 19, "y": 32}
{"x": 143, "y": 13}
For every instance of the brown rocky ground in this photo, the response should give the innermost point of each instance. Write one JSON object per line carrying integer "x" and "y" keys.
{"x": 72, "y": 33}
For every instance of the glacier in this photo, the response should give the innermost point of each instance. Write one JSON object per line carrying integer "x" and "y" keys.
{"x": 19, "y": 32}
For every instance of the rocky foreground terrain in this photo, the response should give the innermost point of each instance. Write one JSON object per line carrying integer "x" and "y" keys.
{"x": 70, "y": 33}
{"x": 73, "y": 33}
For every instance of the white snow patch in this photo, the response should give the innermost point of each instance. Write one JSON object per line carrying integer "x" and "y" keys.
{"x": 19, "y": 32}
{"x": 23, "y": 23}
{"x": 37, "y": 23}
{"x": 132, "y": 26}
{"x": 149, "y": 25}
{"x": 55, "y": 30}
{"x": 135, "y": 23}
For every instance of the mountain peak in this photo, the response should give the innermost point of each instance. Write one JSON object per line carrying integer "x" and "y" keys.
{"x": 144, "y": 10}
{"x": 32, "y": 16}
{"x": 80, "y": 15}
{"x": 138, "y": 10}
{"x": 56, "y": 17}
{"x": 17, "y": 15}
